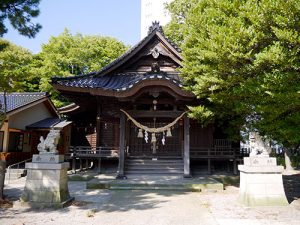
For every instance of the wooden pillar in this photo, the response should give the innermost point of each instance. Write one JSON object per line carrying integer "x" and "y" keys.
{"x": 74, "y": 160}
{"x": 74, "y": 165}
{"x": 235, "y": 171}
{"x": 80, "y": 164}
{"x": 120, "y": 173}
{"x": 98, "y": 120}
{"x": 87, "y": 164}
{"x": 228, "y": 166}
{"x": 209, "y": 166}
{"x": 98, "y": 131}
{"x": 209, "y": 161}
{"x": 186, "y": 153}
{"x": 99, "y": 165}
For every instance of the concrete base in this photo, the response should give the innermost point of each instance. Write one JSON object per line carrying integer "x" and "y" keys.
{"x": 121, "y": 177}
{"x": 46, "y": 185}
{"x": 187, "y": 176}
{"x": 42, "y": 205}
{"x": 261, "y": 184}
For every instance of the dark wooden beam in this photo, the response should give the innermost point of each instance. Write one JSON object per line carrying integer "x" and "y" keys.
{"x": 120, "y": 173}
{"x": 149, "y": 100}
{"x": 151, "y": 114}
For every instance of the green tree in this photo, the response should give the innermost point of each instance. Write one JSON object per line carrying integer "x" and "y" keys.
{"x": 14, "y": 68}
{"x": 242, "y": 59}
{"x": 68, "y": 54}
{"x": 20, "y": 13}
{"x": 178, "y": 10}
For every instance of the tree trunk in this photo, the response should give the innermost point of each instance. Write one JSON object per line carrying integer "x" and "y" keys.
{"x": 287, "y": 158}
{"x": 2, "y": 177}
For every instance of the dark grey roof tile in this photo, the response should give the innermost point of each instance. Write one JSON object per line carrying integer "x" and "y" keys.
{"x": 44, "y": 124}
{"x": 119, "y": 82}
{"x": 17, "y": 100}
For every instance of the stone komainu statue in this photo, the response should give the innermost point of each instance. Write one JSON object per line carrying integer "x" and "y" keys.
{"x": 257, "y": 146}
{"x": 49, "y": 145}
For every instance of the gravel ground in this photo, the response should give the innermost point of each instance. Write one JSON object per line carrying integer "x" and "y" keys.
{"x": 152, "y": 207}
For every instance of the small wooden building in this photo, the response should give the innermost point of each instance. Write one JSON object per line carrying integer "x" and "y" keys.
{"x": 29, "y": 115}
{"x": 117, "y": 107}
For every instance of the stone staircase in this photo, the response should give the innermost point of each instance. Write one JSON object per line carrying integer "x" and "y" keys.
{"x": 154, "y": 167}
{"x": 14, "y": 174}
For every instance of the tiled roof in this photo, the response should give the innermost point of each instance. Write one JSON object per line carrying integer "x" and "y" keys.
{"x": 44, "y": 124}
{"x": 17, "y": 100}
{"x": 92, "y": 76}
{"x": 118, "y": 82}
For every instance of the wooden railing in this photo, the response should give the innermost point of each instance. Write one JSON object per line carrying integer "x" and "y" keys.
{"x": 87, "y": 152}
{"x": 90, "y": 152}
{"x": 14, "y": 157}
{"x": 216, "y": 152}
{"x": 172, "y": 150}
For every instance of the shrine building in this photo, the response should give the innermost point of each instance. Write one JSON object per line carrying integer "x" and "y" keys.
{"x": 135, "y": 110}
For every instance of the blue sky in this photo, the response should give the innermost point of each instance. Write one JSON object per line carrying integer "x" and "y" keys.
{"x": 115, "y": 18}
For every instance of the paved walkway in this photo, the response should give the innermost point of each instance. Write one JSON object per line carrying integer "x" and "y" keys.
{"x": 149, "y": 207}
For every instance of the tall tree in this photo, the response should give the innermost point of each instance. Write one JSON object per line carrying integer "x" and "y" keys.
{"x": 20, "y": 14}
{"x": 178, "y": 10}
{"x": 68, "y": 54}
{"x": 242, "y": 58}
{"x": 14, "y": 68}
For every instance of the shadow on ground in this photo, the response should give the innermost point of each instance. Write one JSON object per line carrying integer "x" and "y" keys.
{"x": 119, "y": 200}
{"x": 228, "y": 180}
{"x": 291, "y": 184}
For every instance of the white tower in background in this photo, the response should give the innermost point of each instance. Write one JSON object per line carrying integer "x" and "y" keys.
{"x": 153, "y": 10}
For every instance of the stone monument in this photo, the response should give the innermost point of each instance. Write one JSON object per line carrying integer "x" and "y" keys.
{"x": 47, "y": 181}
{"x": 260, "y": 178}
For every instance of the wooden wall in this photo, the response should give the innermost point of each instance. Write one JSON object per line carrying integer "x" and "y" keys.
{"x": 201, "y": 136}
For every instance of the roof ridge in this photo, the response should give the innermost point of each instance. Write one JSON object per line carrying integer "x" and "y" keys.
{"x": 57, "y": 78}
{"x": 154, "y": 28}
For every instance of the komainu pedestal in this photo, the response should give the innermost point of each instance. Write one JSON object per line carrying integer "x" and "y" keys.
{"x": 47, "y": 182}
{"x": 261, "y": 182}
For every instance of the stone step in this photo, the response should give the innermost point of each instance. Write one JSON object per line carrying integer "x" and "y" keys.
{"x": 153, "y": 164}
{"x": 153, "y": 161}
{"x": 13, "y": 174}
{"x": 155, "y": 171}
{"x": 154, "y": 167}
{"x": 169, "y": 188}
{"x": 151, "y": 172}
{"x": 157, "y": 183}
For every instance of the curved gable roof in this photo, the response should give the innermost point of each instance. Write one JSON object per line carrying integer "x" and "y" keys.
{"x": 155, "y": 32}
{"x": 112, "y": 79}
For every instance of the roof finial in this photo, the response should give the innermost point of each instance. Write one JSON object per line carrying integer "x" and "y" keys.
{"x": 155, "y": 26}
